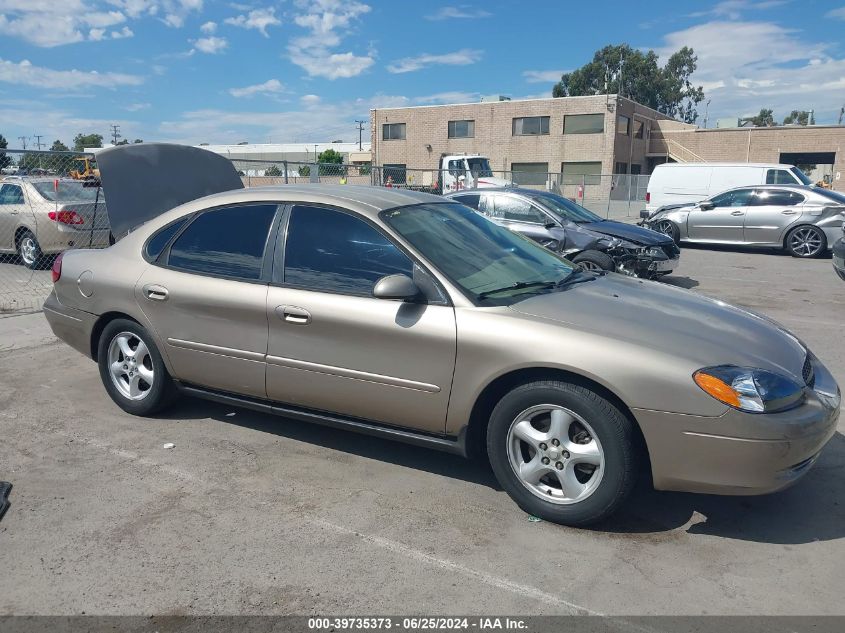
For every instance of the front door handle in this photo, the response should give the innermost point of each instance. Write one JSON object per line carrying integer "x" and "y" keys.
{"x": 294, "y": 315}
{"x": 737, "y": 212}
{"x": 789, "y": 212}
{"x": 154, "y": 292}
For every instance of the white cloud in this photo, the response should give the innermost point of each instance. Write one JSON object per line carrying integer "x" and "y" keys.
{"x": 458, "y": 13}
{"x": 542, "y": 76}
{"x": 271, "y": 86}
{"x": 211, "y": 45}
{"x": 177, "y": 11}
{"x": 463, "y": 57}
{"x": 122, "y": 33}
{"x": 258, "y": 19}
{"x": 447, "y": 97}
{"x": 25, "y": 73}
{"x": 745, "y": 66}
{"x": 209, "y": 27}
{"x": 309, "y": 100}
{"x": 328, "y": 22}
{"x": 733, "y": 9}
{"x": 837, "y": 14}
{"x": 135, "y": 107}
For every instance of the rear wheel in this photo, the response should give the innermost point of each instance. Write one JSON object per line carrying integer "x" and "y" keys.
{"x": 806, "y": 242}
{"x": 29, "y": 250}
{"x": 562, "y": 452}
{"x": 132, "y": 370}
{"x": 595, "y": 261}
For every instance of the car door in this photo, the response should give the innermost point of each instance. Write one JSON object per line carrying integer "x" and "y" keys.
{"x": 334, "y": 347}
{"x": 205, "y": 295}
{"x": 12, "y": 208}
{"x": 770, "y": 214}
{"x": 520, "y": 215}
{"x": 724, "y": 221}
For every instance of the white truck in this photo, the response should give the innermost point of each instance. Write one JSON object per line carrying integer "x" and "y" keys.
{"x": 464, "y": 171}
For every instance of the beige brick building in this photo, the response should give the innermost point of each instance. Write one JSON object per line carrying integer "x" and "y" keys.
{"x": 586, "y": 136}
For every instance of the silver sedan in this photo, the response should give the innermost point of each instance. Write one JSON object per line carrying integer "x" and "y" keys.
{"x": 802, "y": 220}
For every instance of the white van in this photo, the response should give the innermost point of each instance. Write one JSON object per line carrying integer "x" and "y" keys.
{"x": 688, "y": 183}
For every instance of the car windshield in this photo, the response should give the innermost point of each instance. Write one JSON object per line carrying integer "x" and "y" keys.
{"x": 567, "y": 209}
{"x": 67, "y": 191}
{"x": 801, "y": 176}
{"x": 479, "y": 167}
{"x": 491, "y": 264}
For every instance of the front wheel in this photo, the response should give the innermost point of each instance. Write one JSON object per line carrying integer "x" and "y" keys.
{"x": 595, "y": 261}
{"x": 667, "y": 227}
{"x": 562, "y": 452}
{"x": 29, "y": 250}
{"x": 132, "y": 370}
{"x": 806, "y": 242}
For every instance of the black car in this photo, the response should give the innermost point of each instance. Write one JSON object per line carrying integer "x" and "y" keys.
{"x": 577, "y": 233}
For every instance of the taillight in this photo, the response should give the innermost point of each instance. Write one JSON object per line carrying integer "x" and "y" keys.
{"x": 66, "y": 217}
{"x": 648, "y": 196}
{"x": 57, "y": 267}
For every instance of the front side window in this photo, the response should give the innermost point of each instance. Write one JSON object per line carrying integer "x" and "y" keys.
{"x": 228, "y": 242}
{"x": 735, "y": 198}
{"x": 515, "y": 210}
{"x": 461, "y": 129}
{"x": 801, "y": 176}
{"x": 11, "y": 194}
{"x": 764, "y": 197}
{"x": 780, "y": 177}
{"x": 531, "y": 126}
{"x": 332, "y": 251}
{"x": 489, "y": 263}
{"x": 393, "y": 131}
{"x": 479, "y": 166}
{"x": 470, "y": 200}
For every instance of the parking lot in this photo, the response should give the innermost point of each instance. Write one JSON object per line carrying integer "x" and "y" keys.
{"x": 261, "y": 515}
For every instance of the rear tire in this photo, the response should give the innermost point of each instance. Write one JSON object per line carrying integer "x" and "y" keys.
{"x": 806, "y": 242}
{"x": 595, "y": 261}
{"x": 29, "y": 251}
{"x": 590, "y": 461}
{"x": 132, "y": 370}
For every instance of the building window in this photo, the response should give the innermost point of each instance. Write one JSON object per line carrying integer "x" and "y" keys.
{"x": 530, "y": 173}
{"x": 623, "y": 125}
{"x": 583, "y": 124}
{"x": 531, "y": 126}
{"x": 636, "y": 169}
{"x": 587, "y": 172}
{"x": 620, "y": 168}
{"x": 461, "y": 129}
{"x": 393, "y": 132}
{"x": 639, "y": 128}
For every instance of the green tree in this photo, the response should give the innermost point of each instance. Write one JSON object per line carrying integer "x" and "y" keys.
{"x": 81, "y": 141}
{"x": 5, "y": 161}
{"x": 330, "y": 157}
{"x": 58, "y": 146}
{"x": 123, "y": 142}
{"x": 273, "y": 170}
{"x": 800, "y": 117}
{"x": 30, "y": 161}
{"x": 637, "y": 75}
{"x": 137, "y": 140}
{"x": 764, "y": 119}
{"x": 304, "y": 171}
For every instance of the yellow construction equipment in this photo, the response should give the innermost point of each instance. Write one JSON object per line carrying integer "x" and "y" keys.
{"x": 86, "y": 169}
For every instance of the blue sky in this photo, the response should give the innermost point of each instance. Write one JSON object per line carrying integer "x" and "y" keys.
{"x": 303, "y": 70}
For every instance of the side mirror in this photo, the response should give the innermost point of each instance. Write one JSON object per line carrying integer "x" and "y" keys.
{"x": 706, "y": 205}
{"x": 644, "y": 214}
{"x": 550, "y": 225}
{"x": 396, "y": 287}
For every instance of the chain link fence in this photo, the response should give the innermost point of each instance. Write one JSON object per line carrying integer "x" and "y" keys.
{"x": 49, "y": 202}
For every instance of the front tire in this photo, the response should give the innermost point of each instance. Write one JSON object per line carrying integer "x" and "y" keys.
{"x": 667, "y": 227}
{"x": 132, "y": 370}
{"x": 562, "y": 452}
{"x": 29, "y": 251}
{"x": 595, "y": 261}
{"x": 806, "y": 242}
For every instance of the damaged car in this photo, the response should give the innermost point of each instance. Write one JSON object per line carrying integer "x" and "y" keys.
{"x": 576, "y": 233}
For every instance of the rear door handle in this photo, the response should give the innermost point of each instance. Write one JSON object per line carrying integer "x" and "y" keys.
{"x": 154, "y": 292}
{"x": 294, "y": 315}
{"x": 737, "y": 212}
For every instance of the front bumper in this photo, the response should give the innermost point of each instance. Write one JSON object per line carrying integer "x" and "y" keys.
{"x": 644, "y": 264}
{"x": 72, "y": 326}
{"x": 839, "y": 257}
{"x": 741, "y": 453}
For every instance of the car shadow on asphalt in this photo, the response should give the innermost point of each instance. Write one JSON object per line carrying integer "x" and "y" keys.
{"x": 416, "y": 457}
{"x": 681, "y": 282}
{"x": 735, "y": 248}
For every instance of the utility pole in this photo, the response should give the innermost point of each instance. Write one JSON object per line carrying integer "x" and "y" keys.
{"x": 360, "y": 132}
{"x": 38, "y": 142}
{"x": 115, "y": 133}
{"x": 23, "y": 140}
{"x": 706, "y": 112}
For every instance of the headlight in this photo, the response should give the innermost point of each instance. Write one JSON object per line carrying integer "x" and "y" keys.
{"x": 748, "y": 389}
{"x": 654, "y": 251}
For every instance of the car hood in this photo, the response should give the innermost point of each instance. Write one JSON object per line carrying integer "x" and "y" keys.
{"x": 144, "y": 180}
{"x": 629, "y": 232}
{"x": 671, "y": 320}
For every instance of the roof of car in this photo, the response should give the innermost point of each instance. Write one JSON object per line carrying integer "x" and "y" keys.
{"x": 510, "y": 189}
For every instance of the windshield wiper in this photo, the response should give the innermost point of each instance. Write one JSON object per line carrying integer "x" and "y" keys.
{"x": 577, "y": 277}
{"x": 520, "y": 285}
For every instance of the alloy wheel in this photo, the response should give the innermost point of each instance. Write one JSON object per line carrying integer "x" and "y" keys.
{"x": 666, "y": 227}
{"x": 805, "y": 242}
{"x": 555, "y": 454}
{"x": 28, "y": 250}
{"x": 590, "y": 266}
{"x": 131, "y": 366}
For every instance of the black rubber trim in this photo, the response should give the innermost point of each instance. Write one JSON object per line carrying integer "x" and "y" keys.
{"x": 444, "y": 443}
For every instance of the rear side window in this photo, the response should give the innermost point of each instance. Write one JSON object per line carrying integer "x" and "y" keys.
{"x": 471, "y": 200}
{"x": 11, "y": 194}
{"x": 779, "y": 198}
{"x": 331, "y": 251}
{"x": 226, "y": 242}
{"x": 158, "y": 241}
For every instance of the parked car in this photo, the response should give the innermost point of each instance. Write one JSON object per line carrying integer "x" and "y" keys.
{"x": 839, "y": 255}
{"x": 568, "y": 228}
{"x": 688, "y": 183}
{"x": 40, "y": 217}
{"x": 802, "y": 220}
{"x": 411, "y": 317}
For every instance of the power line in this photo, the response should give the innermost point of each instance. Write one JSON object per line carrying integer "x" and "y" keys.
{"x": 115, "y": 133}
{"x": 360, "y": 132}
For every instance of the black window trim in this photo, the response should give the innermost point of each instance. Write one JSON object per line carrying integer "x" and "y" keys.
{"x": 266, "y": 265}
{"x": 278, "y": 267}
